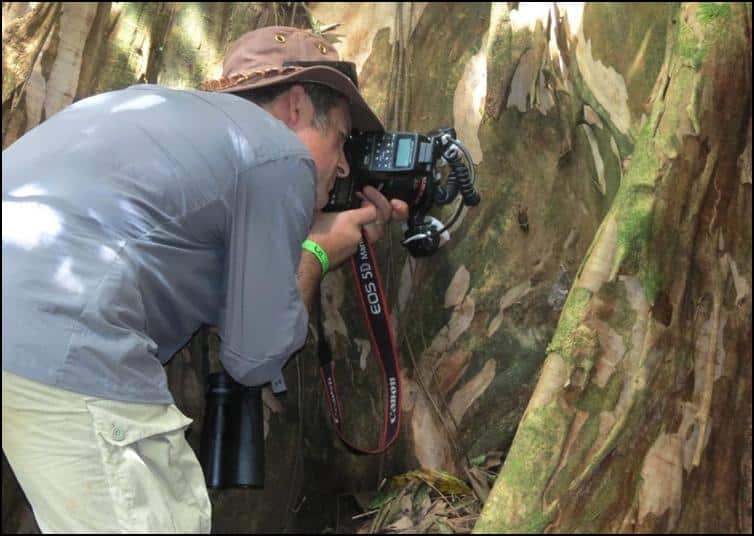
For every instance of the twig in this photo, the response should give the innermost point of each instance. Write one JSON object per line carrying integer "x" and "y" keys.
{"x": 365, "y": 514}
{"x": 298, "y": 508}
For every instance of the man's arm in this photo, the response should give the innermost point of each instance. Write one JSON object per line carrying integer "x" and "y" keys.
{"x": 309, "y": 274}
{"x": 338, "y": 234}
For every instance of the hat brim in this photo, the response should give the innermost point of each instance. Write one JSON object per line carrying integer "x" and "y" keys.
{"x": 362, "y": 116}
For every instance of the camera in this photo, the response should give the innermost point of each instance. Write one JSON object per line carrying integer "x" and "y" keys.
{"x": 406, "y": 166}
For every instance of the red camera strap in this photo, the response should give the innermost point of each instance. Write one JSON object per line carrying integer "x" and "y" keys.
{"x": 377, "y": 316}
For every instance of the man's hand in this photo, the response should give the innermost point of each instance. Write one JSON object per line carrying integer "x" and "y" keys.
{"x": 394, "y": 209}
{"x": 338, "y": 233}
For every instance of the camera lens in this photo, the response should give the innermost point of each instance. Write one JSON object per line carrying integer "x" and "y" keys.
{"x": 232, "y": 446}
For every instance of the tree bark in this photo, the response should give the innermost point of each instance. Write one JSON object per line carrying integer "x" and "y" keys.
{"x": 612, "y": 145}
{"x": 23, "y": 39}
{"x": 642, "y": 414}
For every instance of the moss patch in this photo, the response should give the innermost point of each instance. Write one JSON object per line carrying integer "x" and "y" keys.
{"x": 634, "y": 204}
{"x": 574, "y": 312}
{"x": 621, "y": 316}
{"x": 532, "y": 459}
{"x": 576, "y": 457}
{"x": 689, "y": 47}
{"x": 596, "y": 399}
{"x": 710, "y": 12}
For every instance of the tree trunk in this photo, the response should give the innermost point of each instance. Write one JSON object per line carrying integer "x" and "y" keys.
{"x": 641, "y": 420}
{"x": 596, "y": 128}
{"x": 22, "y": 45}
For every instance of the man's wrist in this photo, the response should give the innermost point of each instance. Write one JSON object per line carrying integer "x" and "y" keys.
{"x": 315, "y": 249}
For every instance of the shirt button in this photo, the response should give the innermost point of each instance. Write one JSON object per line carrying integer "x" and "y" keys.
{"x": 118, "y": 434}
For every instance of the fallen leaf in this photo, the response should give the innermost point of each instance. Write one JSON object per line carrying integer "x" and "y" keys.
{"x": 406, "y": 504}
{"x": 422, "y": 501}
{"x": 446, "y": 483}
{"x": 440, "y": 507}
{"x": 403, "y": 523}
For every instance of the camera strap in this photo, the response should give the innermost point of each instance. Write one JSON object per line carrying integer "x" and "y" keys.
{"x": 374, "y": 305}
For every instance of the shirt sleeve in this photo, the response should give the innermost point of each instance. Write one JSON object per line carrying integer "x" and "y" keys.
{"x": 264, "y": 319}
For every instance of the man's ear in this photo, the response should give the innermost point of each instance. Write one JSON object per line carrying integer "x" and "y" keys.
{"x": 295, "y": 102}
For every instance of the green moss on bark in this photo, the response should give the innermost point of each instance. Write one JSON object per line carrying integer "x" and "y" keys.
{"x": 574, "y": 312}
{"x": 533, "y": 457}
{"x": 689, "y": 48}
{"x": 714, "y": 12}
{"x": 579, "y": 448}
{"x": 597, "y": 399}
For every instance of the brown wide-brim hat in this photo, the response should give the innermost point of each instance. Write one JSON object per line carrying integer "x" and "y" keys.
{"x": 281, "y": 54}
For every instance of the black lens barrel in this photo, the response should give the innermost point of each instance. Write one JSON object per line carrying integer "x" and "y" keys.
{"x": 232, "y": 446}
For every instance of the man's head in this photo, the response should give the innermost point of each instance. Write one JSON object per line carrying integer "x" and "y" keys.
{"x": 297, "y": 76}
{"x": 320, "y": 117}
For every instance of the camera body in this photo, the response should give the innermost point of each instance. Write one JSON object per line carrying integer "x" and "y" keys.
{"x": 403, "y": 165}
{"x": 398, "y": 164}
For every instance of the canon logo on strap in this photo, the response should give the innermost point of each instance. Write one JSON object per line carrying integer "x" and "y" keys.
{"x": 393, "y": 400}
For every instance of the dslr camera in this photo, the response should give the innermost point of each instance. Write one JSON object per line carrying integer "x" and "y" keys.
{"x": 407, "y": 166}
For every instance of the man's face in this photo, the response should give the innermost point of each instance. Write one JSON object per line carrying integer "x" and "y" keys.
{"x": 326, "y": 146}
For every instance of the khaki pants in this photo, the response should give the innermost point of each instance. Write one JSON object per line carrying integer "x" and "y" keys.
{"x": 93, "y": 465}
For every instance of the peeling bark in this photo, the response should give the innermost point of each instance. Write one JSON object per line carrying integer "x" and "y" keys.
{"x": 603, "y": 124}
{"x": 677, "y": 197}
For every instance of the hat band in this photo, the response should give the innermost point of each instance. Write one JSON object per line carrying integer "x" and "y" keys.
{"x": 224, "y": 82}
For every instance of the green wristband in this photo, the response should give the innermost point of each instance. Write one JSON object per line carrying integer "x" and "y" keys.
{"x": 314, "y": 248}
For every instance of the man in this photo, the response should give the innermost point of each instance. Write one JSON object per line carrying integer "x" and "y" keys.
{"x": 130, "y": 219}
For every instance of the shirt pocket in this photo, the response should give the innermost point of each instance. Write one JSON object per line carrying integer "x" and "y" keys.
{"x": 153, "y": 476}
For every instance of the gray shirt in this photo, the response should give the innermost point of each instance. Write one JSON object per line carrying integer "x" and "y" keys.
{"x": 132, "y": 217}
